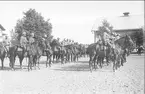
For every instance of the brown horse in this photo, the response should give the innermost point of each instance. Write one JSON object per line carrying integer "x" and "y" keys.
{"x": 104, "y": 52}
{"x": 120, "y": 51}
{"x": 2, "y": 55}
{"x": 48, "y": 50}
{"x": 34, "y": 52}
{"x": 92, "y": 51}
{"x": 12, "y": 56}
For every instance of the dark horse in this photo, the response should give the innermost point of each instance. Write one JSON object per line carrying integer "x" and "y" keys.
{"x": 15, "y": 51}
{"x": 48, "y": 50}
{"x": 34, "y": 52}
{"x": 120, "y": 51}
{"x": 103, "y": 52}
{"x": 2, "y": 55}
{"x": 92, "y": 52}
{"x": 12, "y": 56}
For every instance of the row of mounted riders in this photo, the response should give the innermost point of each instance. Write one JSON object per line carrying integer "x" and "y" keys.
{"x": 116, "y": 54}
{"x": 55, "y": 51}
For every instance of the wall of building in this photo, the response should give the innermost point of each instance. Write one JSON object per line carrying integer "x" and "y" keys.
{"x": 128, "y": 32}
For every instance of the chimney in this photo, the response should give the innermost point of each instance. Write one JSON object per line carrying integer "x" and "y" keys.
{"x": 126, "y": 14}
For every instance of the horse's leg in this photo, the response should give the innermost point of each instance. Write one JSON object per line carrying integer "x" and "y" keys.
{"x": 2, "y": 62}
{"x": 50, "y": 60}
{"x": 13, "y": 62}
{"x": 53, "y": 57}
{"x": 47, "y": 59}
{"x": 94, "y": 60}
{"x": 77, "y": 57}
{"x": 71, "y": 57}
{"x": 38, "y": 62}
{"x": 97, "y": 61}
{"x": 114, "y": 65}
{"x": 107, "y": 60}
{"x": 61, "y": 57}
{"x": 90, "y": 63}
{"x": 32, "y": 62}
{"x": 94, "y": 63}
{"x": 20, "y": 60}
{"x": 122, "y": 61}
{"x": 29, "y": 62}
{"x": 101, "y": 62}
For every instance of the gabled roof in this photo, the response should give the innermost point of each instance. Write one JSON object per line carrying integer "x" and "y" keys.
{"x": 2, "y": 28}
{"x": 121, "y": 22}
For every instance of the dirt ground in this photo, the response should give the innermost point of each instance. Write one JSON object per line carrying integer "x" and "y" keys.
{"x": 74, "y": 78}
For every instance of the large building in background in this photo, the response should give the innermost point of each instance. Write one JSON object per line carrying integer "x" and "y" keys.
{"x": 3, "y": 35}
{"x": 125, "y": 24}
{"x": 2, "y": 29}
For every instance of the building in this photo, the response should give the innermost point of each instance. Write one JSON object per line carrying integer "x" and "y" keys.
{"x": 1, "y": 32}
{"x": 125, "y": 24}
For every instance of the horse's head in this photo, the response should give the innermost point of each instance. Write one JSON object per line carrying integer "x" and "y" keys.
{"x": 128, "y": 43}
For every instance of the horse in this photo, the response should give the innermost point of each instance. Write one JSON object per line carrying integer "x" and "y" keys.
{"x": 2, "y": 55}
{"x": 34, "y": 52}
{"x": 21, "y": 53}
{"x": 103, "y": 52}
{"x": 48, "y": 51}
{"x": 69, "y": 53}
{"x": 12, "y": 56}
{"x": 55, "y": 49}
{"x": 92, "y": 52}
{"x": 120, "y": 51}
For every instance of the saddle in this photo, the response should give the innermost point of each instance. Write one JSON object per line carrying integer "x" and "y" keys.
{"x": 101, "y": 47}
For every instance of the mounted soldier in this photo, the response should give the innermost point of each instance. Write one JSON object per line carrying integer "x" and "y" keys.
{"x": 31, "y": 41}
{"x": 23, "y": 41}
{"x": 3, "y": 43}
{"x": 48, "y": 47}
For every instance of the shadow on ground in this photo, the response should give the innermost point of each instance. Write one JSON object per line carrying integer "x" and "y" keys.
{"x": 83, "y": 67}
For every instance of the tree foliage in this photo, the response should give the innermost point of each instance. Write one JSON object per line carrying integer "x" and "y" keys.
{"x": 137, "y": 37}
{"x": 33, "y": 22}
{"x": 105, "y": 27}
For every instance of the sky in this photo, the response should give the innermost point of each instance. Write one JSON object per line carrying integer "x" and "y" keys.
{"x": 70, "y": 19}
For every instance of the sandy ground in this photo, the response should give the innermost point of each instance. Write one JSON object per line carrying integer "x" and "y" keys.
{"x": 74, "y": 78}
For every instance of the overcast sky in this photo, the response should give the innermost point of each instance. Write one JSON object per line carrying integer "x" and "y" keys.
{"x": 70, "y": 19}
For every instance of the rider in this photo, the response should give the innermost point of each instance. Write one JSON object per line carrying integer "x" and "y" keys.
{"x": 23, "y": 40}
{"x": 6, "y": 44}
{"x": 3, "y": 42}
{"x": 31, "y": 39}
{"x": 47, "y": 43}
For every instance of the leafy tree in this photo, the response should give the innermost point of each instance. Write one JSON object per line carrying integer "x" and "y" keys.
{"x": 33, "y": 22}
{"x": 14, "y": 40}
{"x": 105, "y": 27}
{"x": 137, "y": 37}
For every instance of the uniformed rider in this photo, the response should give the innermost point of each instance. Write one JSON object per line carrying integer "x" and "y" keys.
{"x": 23, "y": 40}
{"x": 31, "y": 39}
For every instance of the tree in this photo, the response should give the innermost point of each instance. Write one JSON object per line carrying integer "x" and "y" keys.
{"x": 33, "y": 22}
{"x": 106, "y": 27}
{"x": 137, "y": 37}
